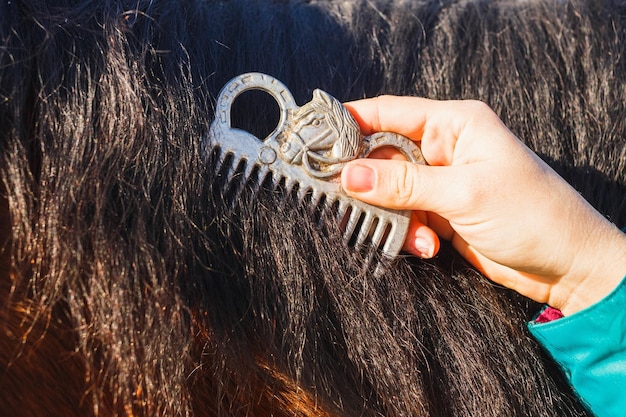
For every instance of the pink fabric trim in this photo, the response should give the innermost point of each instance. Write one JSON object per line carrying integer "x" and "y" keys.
{"x": 548, "y": 314}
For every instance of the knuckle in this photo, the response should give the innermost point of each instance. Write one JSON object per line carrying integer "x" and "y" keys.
{"x": 477, "y": 109}
{"x": 382, "y": 102}
{"x": 405, "y": 185}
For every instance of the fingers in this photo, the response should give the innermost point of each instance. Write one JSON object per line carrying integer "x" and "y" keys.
{"x": 403, "y": 185}
{"x": 404, "y": 115}
{"x": 421, "y": 240}
{"x": 413, "y": 117}
{"x": 437, "y": 124}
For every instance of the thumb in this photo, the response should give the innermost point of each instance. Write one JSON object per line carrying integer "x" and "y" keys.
{"x": 402, "y": 185}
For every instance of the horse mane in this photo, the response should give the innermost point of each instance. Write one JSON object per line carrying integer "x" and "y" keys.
{"x": 131, "y": 287}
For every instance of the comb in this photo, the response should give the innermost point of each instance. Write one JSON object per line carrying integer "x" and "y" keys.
{"x": 306, "y": 153}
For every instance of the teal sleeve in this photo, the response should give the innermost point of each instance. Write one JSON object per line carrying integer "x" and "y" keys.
{"x": 590, "y": 346}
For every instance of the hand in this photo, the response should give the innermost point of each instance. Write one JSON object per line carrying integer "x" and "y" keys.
{"x": 504, "y": 210}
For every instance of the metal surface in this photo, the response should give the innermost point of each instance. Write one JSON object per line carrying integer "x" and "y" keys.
{"x": 308, "y": 149}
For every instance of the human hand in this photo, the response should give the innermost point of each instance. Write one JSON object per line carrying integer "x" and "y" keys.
{"x": 504, "y": 210}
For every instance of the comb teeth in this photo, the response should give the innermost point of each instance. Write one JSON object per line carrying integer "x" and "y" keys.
{"x": 353, "y": 215}
{"x": 234, "y": 172}
{"x": 361, "y": 229}
{"x": 366, "y": 229}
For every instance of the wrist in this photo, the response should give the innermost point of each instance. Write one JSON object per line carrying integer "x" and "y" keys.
{"x": 595, "y": 273}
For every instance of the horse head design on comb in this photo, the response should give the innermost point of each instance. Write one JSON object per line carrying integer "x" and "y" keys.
{"x": 323, "y": 136}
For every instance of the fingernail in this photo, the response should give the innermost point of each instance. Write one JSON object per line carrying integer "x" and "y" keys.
{"x": 423, "y": 248}
{"x": 358, "y": 178}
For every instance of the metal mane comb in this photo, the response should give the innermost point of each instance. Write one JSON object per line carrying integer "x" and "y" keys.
{"x": 308, "y": 149}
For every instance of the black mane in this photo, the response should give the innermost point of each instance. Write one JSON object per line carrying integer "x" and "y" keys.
{"x": 131, "y": 287}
